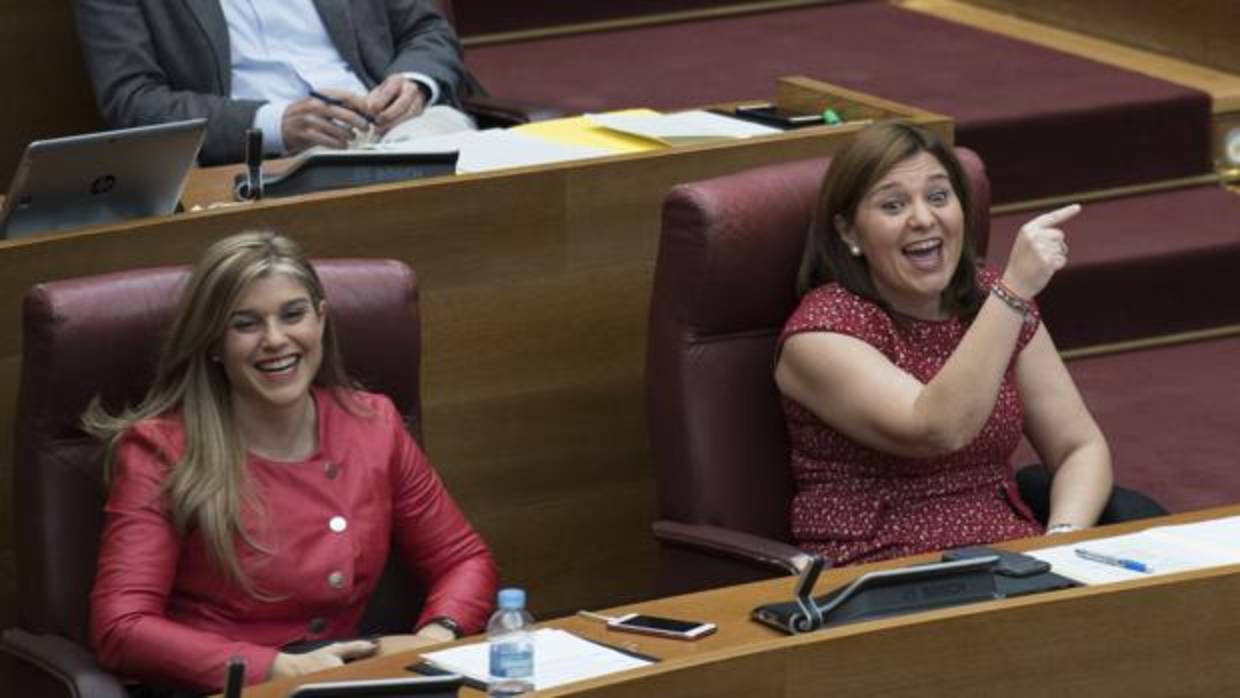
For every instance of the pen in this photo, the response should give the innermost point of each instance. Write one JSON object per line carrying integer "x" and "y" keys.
{"x": 327, "y": 99}
{"x": 1121, "y": 562}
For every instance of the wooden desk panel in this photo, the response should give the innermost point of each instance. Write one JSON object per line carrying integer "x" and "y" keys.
{"x": 1172, "y": 635}
{"x": 534, "y": 291}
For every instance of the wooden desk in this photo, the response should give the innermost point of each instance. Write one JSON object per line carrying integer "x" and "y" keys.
{"x": 1172, "y": 635}
{"x": 534, "y": 288}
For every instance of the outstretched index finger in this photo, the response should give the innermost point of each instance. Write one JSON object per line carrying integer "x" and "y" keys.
{"x": 1059, "y": 215}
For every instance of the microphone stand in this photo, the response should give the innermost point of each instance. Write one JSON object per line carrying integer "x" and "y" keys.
{"x": 236, "y": 678}
{"x": 809, "y": 617}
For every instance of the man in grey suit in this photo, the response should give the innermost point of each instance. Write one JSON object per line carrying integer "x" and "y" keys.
{"x": 312, "y": 71}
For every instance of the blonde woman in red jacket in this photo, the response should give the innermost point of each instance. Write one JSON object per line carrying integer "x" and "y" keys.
{"x": 254, "y": 492}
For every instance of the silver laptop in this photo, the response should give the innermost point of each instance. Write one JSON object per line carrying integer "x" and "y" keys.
{"x": 100, "y": 177}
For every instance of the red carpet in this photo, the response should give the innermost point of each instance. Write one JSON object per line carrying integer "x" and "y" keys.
{"x": 490, "y": 17}
{"x": 1141, "y": 266}
{"x": 1172, "y": 418}
{"x": 1045, "y": 122}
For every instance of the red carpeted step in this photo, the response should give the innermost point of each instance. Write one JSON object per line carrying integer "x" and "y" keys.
{"x": 1141, "y": 266}
{"x": 491, "y": 17}
{"x": 1045, "y": 122}
{"x": 1172, "y": 418}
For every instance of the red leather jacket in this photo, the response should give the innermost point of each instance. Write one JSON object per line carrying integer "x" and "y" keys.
{"x": 161, "y": 613}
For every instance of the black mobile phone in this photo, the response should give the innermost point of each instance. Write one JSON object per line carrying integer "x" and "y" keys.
{"x": 430, "y": 686}
{"x": 771, "y": 115}
{"x": 1010, "y": 564}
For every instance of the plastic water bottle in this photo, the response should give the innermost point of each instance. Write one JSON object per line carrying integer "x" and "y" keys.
{"x": 511, "y": 639}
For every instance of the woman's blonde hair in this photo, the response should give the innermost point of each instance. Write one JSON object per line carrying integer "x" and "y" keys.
{"x": 209, "y": 487}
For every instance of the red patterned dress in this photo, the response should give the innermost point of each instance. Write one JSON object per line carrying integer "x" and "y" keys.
{"x": 856, "y": 504}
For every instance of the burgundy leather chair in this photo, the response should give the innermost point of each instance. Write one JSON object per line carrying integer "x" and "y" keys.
{"x": 99, "y": 336}
{"x": 725, "y": 282}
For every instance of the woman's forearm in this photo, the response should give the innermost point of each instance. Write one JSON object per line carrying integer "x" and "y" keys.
{"x": 955, "y": 404}
{"x": 1081, "y": 485}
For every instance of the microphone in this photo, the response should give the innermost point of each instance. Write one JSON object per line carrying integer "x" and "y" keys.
{"x": 236, "y": 678}
{"x": 252, "y": 187}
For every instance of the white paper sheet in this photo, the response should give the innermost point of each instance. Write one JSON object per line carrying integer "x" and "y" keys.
{"x": 1164, "y": 549}
{"x": 560, "y": 657}
{"x": 498, "y": 149}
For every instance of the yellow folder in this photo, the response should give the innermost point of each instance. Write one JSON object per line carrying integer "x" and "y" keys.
{"x": 580, "y": 131}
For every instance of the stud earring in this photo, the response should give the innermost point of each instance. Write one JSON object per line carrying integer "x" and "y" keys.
{"x": 856, "y": 251}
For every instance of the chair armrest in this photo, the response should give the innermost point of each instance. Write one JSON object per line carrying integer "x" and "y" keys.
{"x": 492, "y": 112}
{"x": 778, "y": 555}
{"x": 62, "y": 661}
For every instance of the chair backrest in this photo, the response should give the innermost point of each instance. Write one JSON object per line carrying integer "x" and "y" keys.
{"x": 725, "y": 283}
{"x": 100, "y": 336}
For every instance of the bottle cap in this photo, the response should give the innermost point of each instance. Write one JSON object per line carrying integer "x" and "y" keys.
{"x": 511, "y": 599}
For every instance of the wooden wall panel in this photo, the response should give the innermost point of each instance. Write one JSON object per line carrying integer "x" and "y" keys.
{"x": 1200, "y": 31}
{"x": 46, "y": 92}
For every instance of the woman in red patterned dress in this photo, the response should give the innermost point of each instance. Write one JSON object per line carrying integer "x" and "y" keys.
{"x": 909, "y": 373}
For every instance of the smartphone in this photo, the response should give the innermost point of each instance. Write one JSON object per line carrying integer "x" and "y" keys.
{"x": 771, "y": 115}
{"x": 663, "y": 627}
{"x": 1010, "y": 564}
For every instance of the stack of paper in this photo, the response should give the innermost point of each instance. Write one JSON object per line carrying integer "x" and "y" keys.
{"x": 1161, "y": 550}
{"x": 560, "y": 657}
{"x": 493, "y": 149}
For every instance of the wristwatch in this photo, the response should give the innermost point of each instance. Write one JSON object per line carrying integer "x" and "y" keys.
{"x": 448, "y": 624}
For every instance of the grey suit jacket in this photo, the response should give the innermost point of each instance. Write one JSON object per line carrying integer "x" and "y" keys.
{"x": 153, "y": 61}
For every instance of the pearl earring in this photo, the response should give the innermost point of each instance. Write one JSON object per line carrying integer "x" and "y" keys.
{"x": 856, "y": 251}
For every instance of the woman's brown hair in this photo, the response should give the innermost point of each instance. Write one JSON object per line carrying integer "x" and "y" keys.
{"x": 853, "y": 173}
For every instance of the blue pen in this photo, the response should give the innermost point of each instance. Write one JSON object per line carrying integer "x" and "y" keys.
{"x": 327, "y": 99}
{"x": 1120, "y": 562}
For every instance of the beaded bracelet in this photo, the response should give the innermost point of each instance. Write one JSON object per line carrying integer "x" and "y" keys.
{"x": 1013, "y": 301}
{"x": 1062, "y": 528}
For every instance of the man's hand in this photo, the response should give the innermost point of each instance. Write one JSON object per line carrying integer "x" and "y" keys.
{"x": 396, "y": 99}
{"x": 312, "y": 121}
